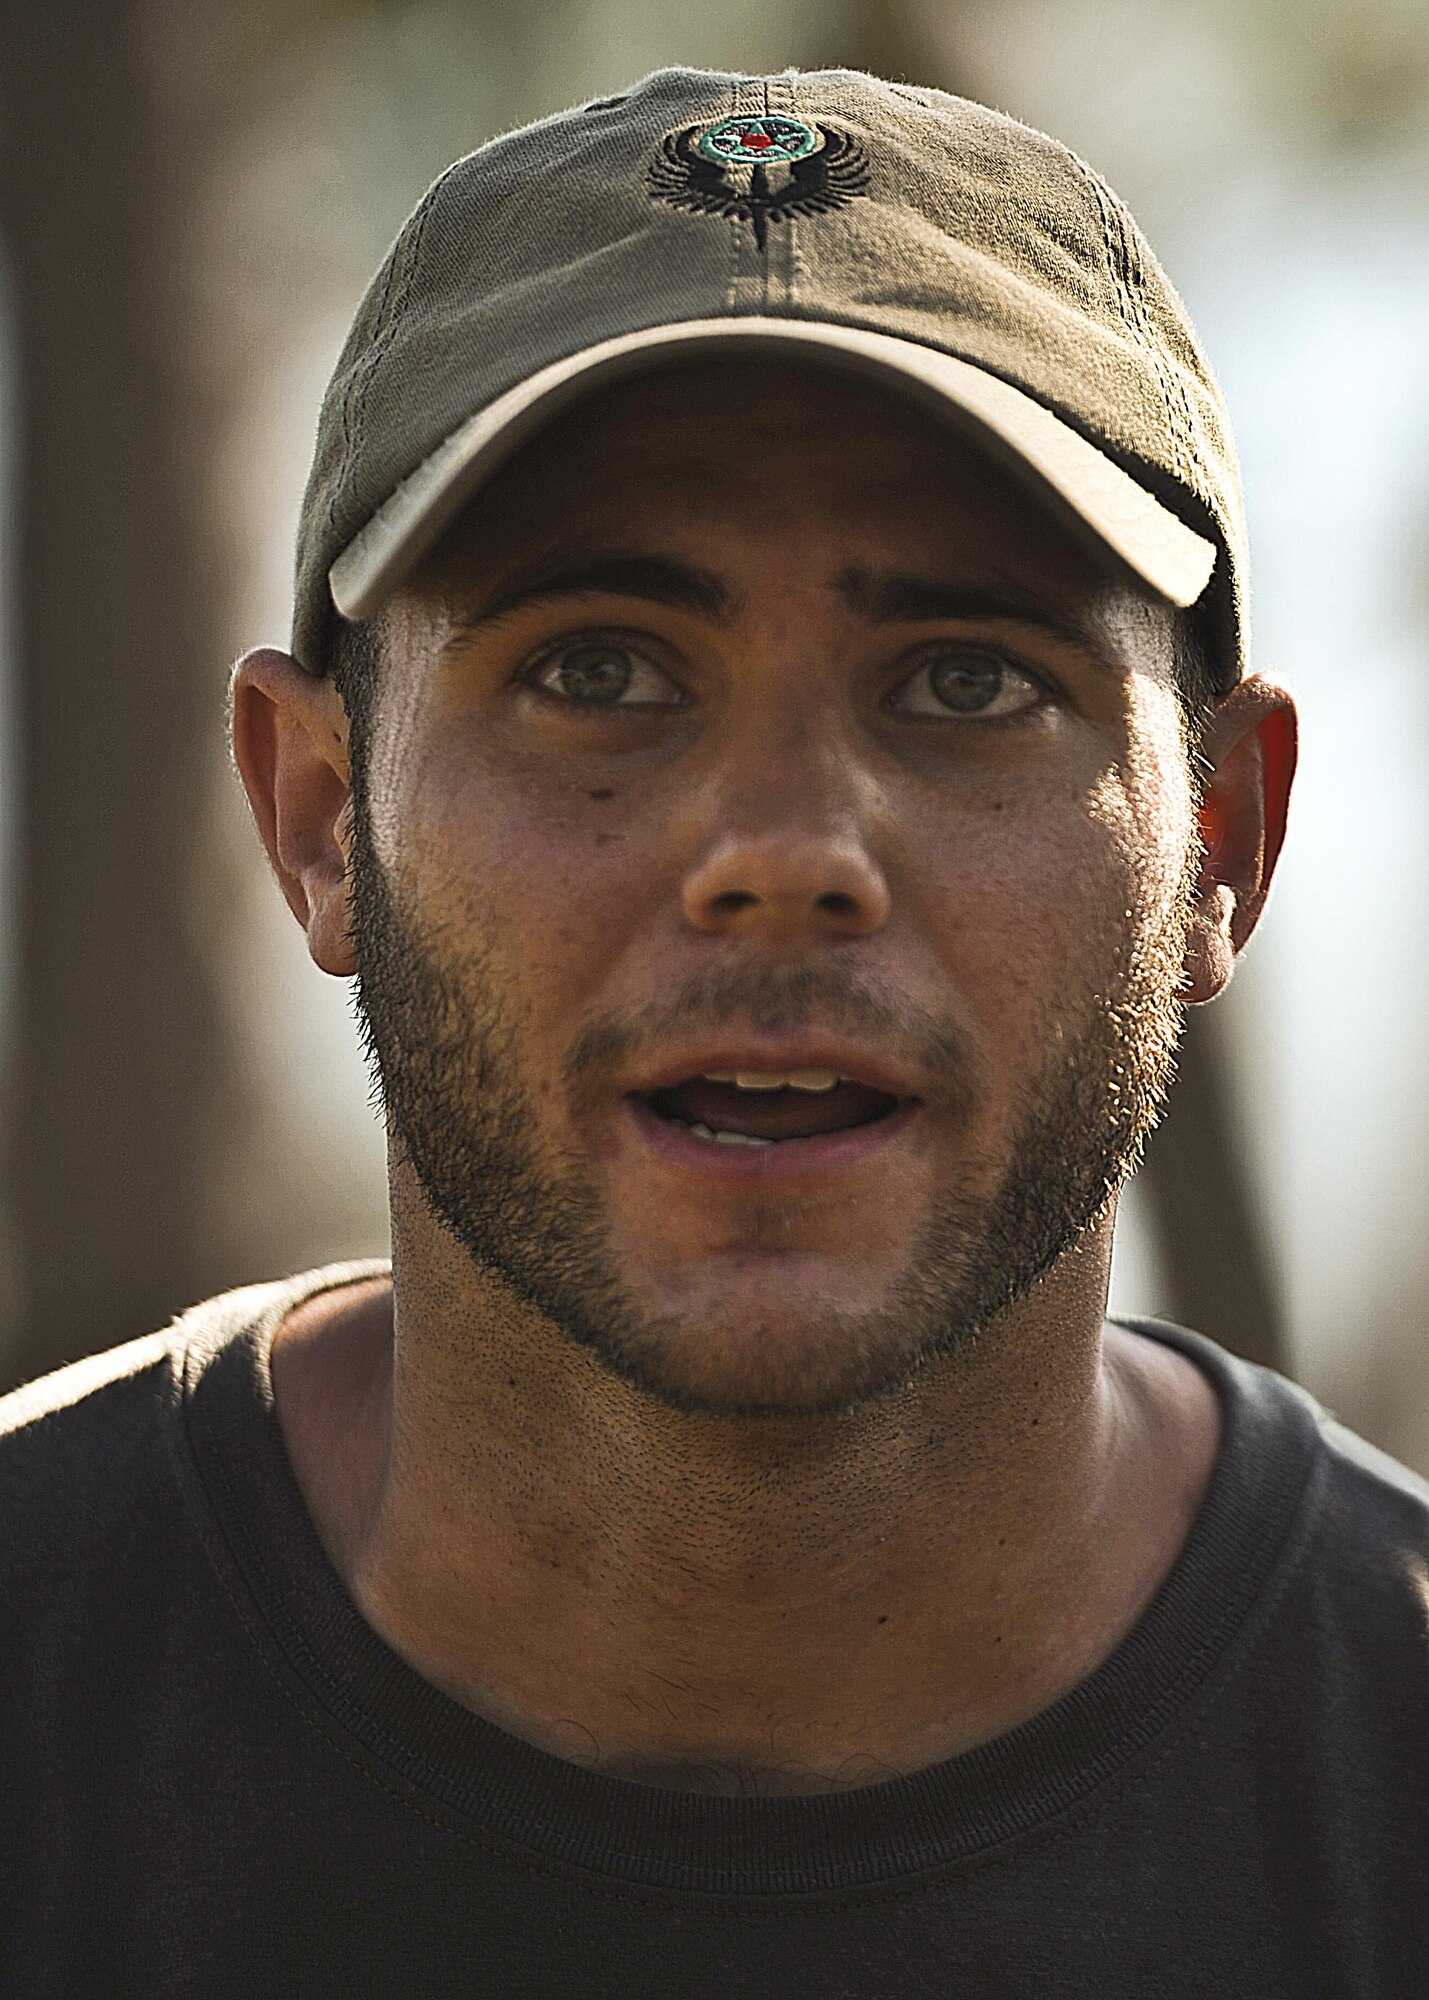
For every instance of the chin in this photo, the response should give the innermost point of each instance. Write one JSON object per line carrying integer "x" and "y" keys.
{"x": 770, "y": 1367}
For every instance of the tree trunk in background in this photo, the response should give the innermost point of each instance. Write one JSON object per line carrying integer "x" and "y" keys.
{"x": 108, "y": 1100}
{"x": 1209, "y": 1235}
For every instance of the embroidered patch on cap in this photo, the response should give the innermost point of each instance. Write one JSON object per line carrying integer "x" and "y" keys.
{"x": 757, "y": 141}
{"x": 759, "y": 170}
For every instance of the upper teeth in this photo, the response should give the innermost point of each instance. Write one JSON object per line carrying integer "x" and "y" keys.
{"x": 795, "y": 1079}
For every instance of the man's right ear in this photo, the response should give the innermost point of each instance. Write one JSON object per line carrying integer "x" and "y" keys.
{"x": 290, "y": 745}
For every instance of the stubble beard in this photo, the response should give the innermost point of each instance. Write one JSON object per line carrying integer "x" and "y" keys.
{"x": 444, "y": 1055}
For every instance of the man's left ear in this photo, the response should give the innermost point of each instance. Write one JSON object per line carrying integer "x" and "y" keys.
{"x": 1251, "y": 745}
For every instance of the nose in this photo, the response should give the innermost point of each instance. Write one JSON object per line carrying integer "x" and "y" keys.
{"x": 792, "y": 867}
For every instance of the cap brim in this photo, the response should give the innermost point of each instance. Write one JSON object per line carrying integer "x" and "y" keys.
{"x": 1079, "y": 484}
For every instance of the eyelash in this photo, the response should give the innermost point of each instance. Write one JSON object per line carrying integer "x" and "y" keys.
{"x": 572, "y": 643}
{"x": 1046, "y": 689}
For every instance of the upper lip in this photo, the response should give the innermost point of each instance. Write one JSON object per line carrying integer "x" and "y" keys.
{"x": 779, "y": 1055}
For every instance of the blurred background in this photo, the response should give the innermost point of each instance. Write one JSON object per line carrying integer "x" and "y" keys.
{"x": 192, "y": 198}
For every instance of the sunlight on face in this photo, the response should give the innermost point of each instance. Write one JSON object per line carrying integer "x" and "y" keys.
{"x": 746, "y": 703}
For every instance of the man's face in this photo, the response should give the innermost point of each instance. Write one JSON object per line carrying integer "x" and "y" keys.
{"x": 747, "y": 704}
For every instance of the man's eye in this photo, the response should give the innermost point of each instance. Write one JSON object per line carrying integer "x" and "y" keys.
{"x": 970, "y": 680}
{"x": 599, "y": 673}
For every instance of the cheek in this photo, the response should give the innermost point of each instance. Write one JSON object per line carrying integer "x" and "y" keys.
{"x": 547, "y": 876}
{"x": 1031, "y": 908}
{"x": 480, "y": 837}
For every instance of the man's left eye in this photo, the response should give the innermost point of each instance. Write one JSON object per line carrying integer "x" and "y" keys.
{"x": 971, "y": 681}
{"x": 599, "y": 673}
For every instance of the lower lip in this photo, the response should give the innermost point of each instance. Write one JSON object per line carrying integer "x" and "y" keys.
{"x": 791, "y": 1160}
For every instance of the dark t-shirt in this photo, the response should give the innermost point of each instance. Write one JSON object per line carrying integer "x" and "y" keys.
{"x": 219, "y": 1782}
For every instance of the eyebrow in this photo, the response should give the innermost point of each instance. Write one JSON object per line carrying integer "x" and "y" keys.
{"x": 879, "y": 597}
{"x": 886, "y": 598}
{"x": 679, "y": 586}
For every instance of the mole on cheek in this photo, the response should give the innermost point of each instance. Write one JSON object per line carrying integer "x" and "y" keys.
{"x": 603, "y": 795}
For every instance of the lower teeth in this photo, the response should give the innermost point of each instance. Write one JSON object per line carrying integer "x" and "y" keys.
{"x": 747, "y": 1138}
{"x": 724, "y": 1138}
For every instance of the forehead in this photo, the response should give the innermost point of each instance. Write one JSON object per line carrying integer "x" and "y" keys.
{"x": 743, "y": 461}
{"x": 758, "y": 435}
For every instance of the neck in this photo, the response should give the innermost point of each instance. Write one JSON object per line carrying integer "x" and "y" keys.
{"x": 714, "y": 1603}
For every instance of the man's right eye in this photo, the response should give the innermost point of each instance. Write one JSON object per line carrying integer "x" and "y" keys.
{"x": 599, "y": 673}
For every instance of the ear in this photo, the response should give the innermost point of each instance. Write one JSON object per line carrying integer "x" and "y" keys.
{"x": 1251, "y": 745}
{"x": 290, "y": 745}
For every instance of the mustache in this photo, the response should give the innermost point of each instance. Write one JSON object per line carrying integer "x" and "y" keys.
{"x": 769, "y": 999}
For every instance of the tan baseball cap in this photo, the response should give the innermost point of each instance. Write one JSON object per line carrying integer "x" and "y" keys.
{"x": 902, "y": 234}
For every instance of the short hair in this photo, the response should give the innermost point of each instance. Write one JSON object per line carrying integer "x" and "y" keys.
{"x": 1198, "y": 689}
{"x": 355, "y": 653}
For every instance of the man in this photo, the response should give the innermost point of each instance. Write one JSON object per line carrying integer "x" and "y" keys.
{"x": 769, "y": 729}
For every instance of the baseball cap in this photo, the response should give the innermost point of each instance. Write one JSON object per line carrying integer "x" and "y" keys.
{"x": 899, "y": 234}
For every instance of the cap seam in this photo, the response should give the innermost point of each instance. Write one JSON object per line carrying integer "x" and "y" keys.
{"x": 1172, "y": 381}
{"x": 389, "y": 310}
{"x": 746, "y": 94}
{"x": 778, "y": 101}
{"x": 1127, "y": 274}
{"x": 731, "y": 290}
{"x": 1117, "y": 243}
{"x": 788, "y": 97}
{"x": 766, "y": 258}
{"x": 360, "y": 371}
{"x": 346, "y": 455}
{"x": 922, "y": 95}
{"x": 383, "y": 336}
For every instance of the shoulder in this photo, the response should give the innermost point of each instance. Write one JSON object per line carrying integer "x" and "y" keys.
{"x": 1344, "y": 1527}
{"x": 68, "y": 1437}
{"x": 85, "y": 1423}
{"x": 93, "y": 1457}
{"x": 1373, "y": 1515}
{"x": 91, "y": 1519}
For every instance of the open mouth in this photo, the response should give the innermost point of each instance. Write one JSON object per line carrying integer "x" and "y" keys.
{"x": 772, "y": 1112}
